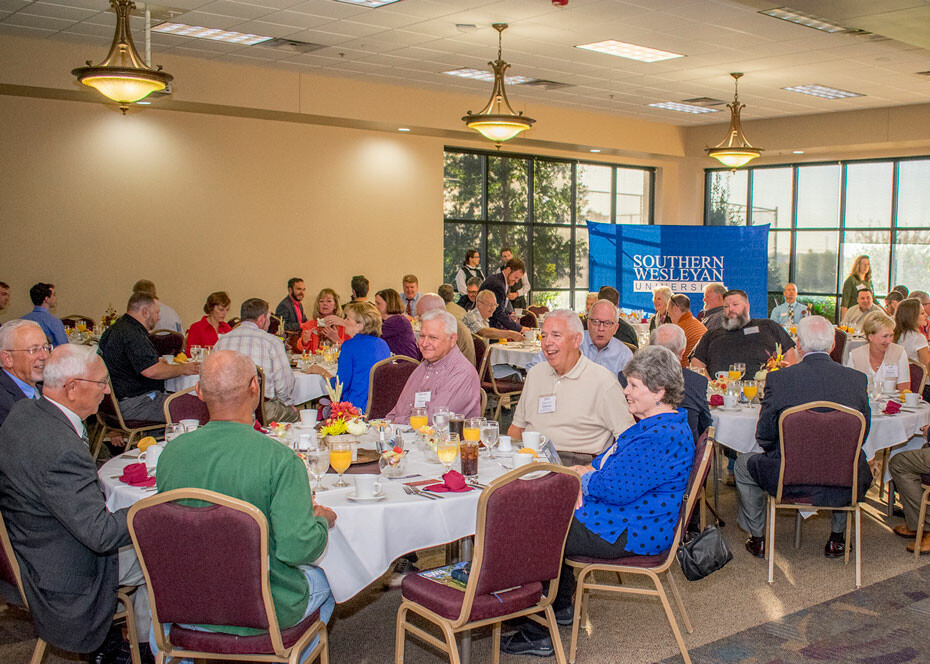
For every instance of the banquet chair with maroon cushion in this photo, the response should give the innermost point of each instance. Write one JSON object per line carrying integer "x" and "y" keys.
{"x": 71, "y": 320}
{"x": 528, "y": 319}
{"x": 185, "y": 405}
{"x": 839, "y": 345}
{"x": 820, "y": 444}
{"x": 481, "y": 347}
{"x": 502, "y": 388}
{"x": 650, "y": 566}
{"x": 110, "y": 420}
{"x": 522, "y": 525}
{"x": 275, "y": 325}
{"x": 918, "y": 376}
{"x": 10, "y": 574}
{"x": 386, "y": 381}
{"x": 167, "y": 342}
{"x": 538, "y": 311}
{"x": 225, "y": 583}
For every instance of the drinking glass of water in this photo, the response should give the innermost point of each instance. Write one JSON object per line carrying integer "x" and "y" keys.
{"x": 318, "y": 462}
{"x": 490, "y": 434}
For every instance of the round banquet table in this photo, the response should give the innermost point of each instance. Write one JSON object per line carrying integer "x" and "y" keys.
{"x": 306, "y": 387}
{"x": 367, "y": 536}
{"x": 736, "y": 429}
{"x": 515, "y": 354}
{"x": 640, "y": 328}
{"x": 851, "y": 344}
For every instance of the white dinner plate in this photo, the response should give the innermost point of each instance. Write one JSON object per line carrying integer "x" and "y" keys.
{"x": 372, "y": 499}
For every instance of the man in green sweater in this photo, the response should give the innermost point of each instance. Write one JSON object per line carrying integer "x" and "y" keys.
{"x": 228, "y": 456}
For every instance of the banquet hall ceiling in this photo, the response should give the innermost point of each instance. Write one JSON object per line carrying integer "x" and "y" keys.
{"x": 883, "y": 55}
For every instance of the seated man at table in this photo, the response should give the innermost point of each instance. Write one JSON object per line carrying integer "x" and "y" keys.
{"x": 892, "y": 300}
{"x": 575, "y": 403}
{"x": 865, "y": 304}
{"x": 168, "y": 318}
{"x": 624, "y": 331}
{"x": 23, "y": 352}
{"x": 472, "y": 286}
{"x": 478, "y": 319}
{"x": 66, "y": 540}
{"x": 679, "y": 311}
{"x": 447, "y": 293}
{"x": 137, "y": 372}
{"x": 291, "y": 308}
{"x": 598, "y": 343}
{"x": 713, "y": 315}
{"x": 410, "y": 296}
{"x": 816, "y": 378}
{"x": 500, "y": 283}
{"x": 432, "y": 302}
{"x": 360, "y": 286}
{"x": 445, "y": 377}
{"x": 907, "y": 469}
{"x": 228, "y": 456}
{"x": 790, "y": 311}
{"x": 741, "y": 339}
{"x": 44, "y": 299}
{"x": 252, "y": 339}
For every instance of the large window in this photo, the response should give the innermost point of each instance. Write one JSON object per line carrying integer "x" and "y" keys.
{"x": 537, "y": 206}
{"x": 823, "y": 216}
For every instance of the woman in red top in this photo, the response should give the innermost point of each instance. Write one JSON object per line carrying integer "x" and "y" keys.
{"x": 206, "y": 331}
{"x": 327, "y": 322}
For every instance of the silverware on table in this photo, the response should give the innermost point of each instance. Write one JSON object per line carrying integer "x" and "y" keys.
{"x": 411, "y": 491}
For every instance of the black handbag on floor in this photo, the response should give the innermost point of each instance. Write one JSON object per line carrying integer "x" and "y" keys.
{"x": 704, "y": 554}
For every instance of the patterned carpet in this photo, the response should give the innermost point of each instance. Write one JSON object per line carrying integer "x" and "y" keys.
{"x": 885, "y": 623}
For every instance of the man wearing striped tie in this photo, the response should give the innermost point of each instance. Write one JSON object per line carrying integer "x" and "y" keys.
{"x": 23, "y": 351}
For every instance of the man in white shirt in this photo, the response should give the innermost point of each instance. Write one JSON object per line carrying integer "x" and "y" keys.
{"x": 865, "y": 306}
{"x": 168, "y": 318}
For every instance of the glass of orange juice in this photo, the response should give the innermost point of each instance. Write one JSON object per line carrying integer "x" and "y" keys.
{"x": 418, "y": 418}
{"x": 448, "y": 449}
{"x": 750, "y": 389}
{"x": 737, "y": 369}
{"x": 340, "y": 458}
{"x": 472, "y": 429}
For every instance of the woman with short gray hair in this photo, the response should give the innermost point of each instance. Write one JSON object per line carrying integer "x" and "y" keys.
{"x": 660, "y": 299}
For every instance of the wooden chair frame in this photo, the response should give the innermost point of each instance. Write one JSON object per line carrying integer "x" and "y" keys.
{"x": 371, "y": 374}
{"x": 923, "y": 381}
{"x": 693, "y": 493}
{"x": 451, "y": 627}
{"x": 281, "y": 654}
{"x": 775, "y": 502}
{"x": 122, "y": 597}
{"x": 924, "y": 502}
{"x": 486, "y": 367}
{"x": 103, "y": 428}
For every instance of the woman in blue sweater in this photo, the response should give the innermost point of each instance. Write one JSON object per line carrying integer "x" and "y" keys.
{"x": 631, "y": 493}
{"x": 359, "y": 353}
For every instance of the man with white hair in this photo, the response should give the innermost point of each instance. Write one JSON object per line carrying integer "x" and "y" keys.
{"x": 432, "y": 302}
{"x": 598, "y": 343}
{"x": 23, "y": 352}
{"x": 713, "y": 306}
{"x": 67, "y": 541}
{"x": 575, "y": 403}
{"x": 478, "y": 319}
{"x": 816, "y": 378}
{"x": 445, "y": 377}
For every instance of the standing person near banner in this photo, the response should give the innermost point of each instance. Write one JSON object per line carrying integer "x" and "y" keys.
{"x": 519, "y": 291}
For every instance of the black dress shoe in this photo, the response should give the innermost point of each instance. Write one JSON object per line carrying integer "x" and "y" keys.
{"x": 566, "y": 616}
{"x": 756, "y": 546}
{"x": 834, "y": 549}
{"x": 519, "y": 643}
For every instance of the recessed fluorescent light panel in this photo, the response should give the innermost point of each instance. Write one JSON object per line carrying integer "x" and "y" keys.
{"x": 374, "y": 4}
{"x": 182, "y": 30}
{"x": 485, "y": 75}
{"x": 822, "y": 91}
{"x": 807, "y": 20}
{"x": 684, "y": 108}
{"x": 631, "y": 51}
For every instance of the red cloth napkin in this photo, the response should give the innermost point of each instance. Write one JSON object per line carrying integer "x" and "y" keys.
{"x": 892, "y": 408}
{"x": 136, "y": 474}
{"x": 716, "y": 400}
{"x": 452, "y": 481}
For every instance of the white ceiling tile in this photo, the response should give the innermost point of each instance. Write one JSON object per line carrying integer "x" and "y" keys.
{"x": 239, "y": 10}
{"x": 41, "y": 22}
{"x": 58, "y": 11}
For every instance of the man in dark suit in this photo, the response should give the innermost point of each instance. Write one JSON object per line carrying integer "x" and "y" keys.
{"x": 291, "y": 308}
{"x": 65, "y": 539}
{"x": 499, "y": 283}
{"x": 816, "y": 378}
{"x": 23, "y": 351}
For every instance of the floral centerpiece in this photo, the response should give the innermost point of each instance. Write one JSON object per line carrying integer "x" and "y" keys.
{"x": 772, "y": 364}
{"x": 109, "y": 317}
{"x": 344, "y": 419}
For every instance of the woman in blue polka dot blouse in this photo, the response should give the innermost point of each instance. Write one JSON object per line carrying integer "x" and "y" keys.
{"x": 631, "y": 493}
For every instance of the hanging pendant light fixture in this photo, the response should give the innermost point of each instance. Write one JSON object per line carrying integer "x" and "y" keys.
{"x": 497, "y": 121}
{"x": 123, "y": 76}
{"x": 734, "y": 150}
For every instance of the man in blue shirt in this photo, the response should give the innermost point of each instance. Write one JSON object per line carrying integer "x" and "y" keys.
{"x": 23, "y": 351}
{"x": 599, "y": 344}
{"x": 789, "y": 312}
{"x": 44, "y": 298}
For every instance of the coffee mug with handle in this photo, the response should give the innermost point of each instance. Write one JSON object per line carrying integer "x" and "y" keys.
{"x": 367, "y": 486}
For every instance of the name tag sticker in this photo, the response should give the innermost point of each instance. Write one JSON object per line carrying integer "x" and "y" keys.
{"x": 751, "y": 330}
{"x": 890, "y": 370}
{"x": 421, "y": 399}
{"x": 547, "y": 404}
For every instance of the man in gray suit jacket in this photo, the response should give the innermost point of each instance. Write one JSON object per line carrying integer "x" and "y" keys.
{"x": 65, "y": 539}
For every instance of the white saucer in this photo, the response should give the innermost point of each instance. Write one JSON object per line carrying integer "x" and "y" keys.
{"x": 373, "y": 499}
{"x": 729, "y": 410}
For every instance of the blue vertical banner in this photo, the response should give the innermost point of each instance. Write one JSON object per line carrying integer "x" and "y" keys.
{"x": 635, "y": 259}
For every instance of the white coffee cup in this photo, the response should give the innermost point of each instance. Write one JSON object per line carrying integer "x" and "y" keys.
{"x": 367, "y": 486}
{"x": 911, "y": 399}
{"x": 532, "y": 439}
{"x": 503, "y": 444}
{"x": 150, "y": 456}
{"x": 890, "y": 385}
{"x": 522, "y": 458}
{"x": 308, "y": 416}
{"x": 530, "y": 335}
{"x": 190, "y": 425}
{"x": 306, "y": 440}
{"x": 168, "y": 358}
{"x": 729, "y": 401}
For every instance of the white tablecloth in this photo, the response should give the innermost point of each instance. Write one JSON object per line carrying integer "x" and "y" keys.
{"x": 367, "y": 537}
{"x": 307, "y": 386}
{"x": 514, "y": 354}
{"x": 736, "y": 429}
{"x": 640, "y": 328}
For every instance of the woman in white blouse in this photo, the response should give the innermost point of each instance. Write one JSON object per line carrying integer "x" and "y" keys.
{"x": 881, "y": 359}
{"x": 908, "y": 319}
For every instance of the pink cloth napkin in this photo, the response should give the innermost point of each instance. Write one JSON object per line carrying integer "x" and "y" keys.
{"x": 716, "y": 400}
{"x": 136, "y": 474}
{"x": 452, "y": 481}
{"x": 892, "y": 407}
